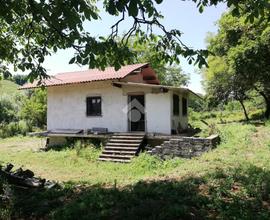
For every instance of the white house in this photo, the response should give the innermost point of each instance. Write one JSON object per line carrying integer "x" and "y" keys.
{"x": 128, "y": 100}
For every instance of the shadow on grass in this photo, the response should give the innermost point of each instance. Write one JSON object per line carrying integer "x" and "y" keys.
{"x": 239, "y": 193}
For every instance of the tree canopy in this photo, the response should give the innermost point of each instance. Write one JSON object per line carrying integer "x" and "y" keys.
{"x": 241, "y": 58}
{"x": 168, "y": 74}
{"x": 32, "y": 29}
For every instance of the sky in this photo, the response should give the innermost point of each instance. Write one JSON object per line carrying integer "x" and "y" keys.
{"x": 181, "y": 15}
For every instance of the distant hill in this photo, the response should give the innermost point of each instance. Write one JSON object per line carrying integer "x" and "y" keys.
{"x": 8, "y": 87}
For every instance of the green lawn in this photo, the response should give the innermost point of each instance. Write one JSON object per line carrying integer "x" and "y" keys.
{"x": 230, "y": 182}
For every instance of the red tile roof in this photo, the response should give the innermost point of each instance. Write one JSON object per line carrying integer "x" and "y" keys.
{"x": 86, "y": 76}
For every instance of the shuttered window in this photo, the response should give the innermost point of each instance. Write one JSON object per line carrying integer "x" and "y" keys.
{"x": 175, "y": 104}
{"x": 93, "y": 106}
{"x": 184, "y": 106}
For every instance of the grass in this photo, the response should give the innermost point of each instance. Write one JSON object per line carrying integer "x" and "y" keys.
{"x": 8, "y": 87}
{"x": 69, "y": 165}
{"x": 230, "y": 182}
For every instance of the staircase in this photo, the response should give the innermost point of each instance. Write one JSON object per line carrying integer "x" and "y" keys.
{"x": 121, "y": 147}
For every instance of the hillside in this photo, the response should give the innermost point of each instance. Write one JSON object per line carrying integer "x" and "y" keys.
{"x": 8, "y": 87}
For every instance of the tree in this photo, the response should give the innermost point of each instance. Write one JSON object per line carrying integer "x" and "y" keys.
{"x": 168, "y": 74}
{"x": 33, "y": 29}
{"x": 19, "y": 79}
{"x": 222, "y": 86}
{"x": 241, "y": 61}
{"x": 34, "y": 109}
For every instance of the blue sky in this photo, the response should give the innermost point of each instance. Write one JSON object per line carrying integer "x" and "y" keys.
{"x": 182, "y": 15}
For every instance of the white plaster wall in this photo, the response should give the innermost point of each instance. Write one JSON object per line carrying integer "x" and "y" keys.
{"x": 176, "y": 120}
{"x": 158, "y": 116}
{"x": 67, "y": 107}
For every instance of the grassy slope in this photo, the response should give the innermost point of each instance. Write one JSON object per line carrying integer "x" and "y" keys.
{"x": 8, "y": 87}
{"x": 231, "y": 182}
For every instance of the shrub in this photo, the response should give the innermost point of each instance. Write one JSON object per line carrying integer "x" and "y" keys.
{"x": 34, "y": 109}
{"x": 8, "y": 110}
{"x": 14, "y": 128}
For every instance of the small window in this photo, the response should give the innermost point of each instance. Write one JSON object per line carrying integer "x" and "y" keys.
{"x": 175, "y": 105}
{"x": 184, "y": 106}
{"x": 93, "y": 106}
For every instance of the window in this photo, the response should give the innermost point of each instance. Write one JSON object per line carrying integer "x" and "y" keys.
{"x": 184, "y": 106}
{"x": 93, "y": 106}
{"x": 175, "y": 104}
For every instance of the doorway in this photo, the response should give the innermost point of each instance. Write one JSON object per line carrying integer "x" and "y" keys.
{"x": 136, "y": 113}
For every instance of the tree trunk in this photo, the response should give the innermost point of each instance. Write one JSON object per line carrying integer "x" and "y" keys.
{"x": 267, "y": 104}
{"x": 244, "y": 109}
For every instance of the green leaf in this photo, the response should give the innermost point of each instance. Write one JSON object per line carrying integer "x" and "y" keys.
{"x": 79, "y": 59}
{"x": 133, "y": 8}
{"x": 111, "y": 7}
{"x": 85, "y": 61}
{"x": 201, "y": 9}
{"x": 72, "y": 60}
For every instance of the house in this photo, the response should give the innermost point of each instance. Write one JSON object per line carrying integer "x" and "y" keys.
{"x": 128, "y": 100}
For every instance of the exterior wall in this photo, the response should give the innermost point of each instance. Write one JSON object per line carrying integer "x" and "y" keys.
{"x": 178, "y": 120}
{"x": 67, "y": 107}
{"x": 158, "y": 113}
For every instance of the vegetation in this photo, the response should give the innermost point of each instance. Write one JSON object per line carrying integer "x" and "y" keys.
{"x": 41, "y": 28}
{"x": 240, "y": 66}
{"x": 231, "y": 181}
{"x": 8, "y": 87}
{"x": 21, "y": 112}
{"x": 168, "y": 73}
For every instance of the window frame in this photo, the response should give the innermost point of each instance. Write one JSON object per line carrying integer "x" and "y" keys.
{"x": 176, "y": 105}
{"x": 88, "y": 108}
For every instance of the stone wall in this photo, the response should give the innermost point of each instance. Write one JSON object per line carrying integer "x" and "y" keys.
{"x": 186, "y": 147}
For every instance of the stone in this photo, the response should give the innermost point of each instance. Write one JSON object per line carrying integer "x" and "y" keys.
{"x": 186, "y": 147}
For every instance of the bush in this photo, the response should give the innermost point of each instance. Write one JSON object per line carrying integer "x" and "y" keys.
{"x": 14, "y": 128}
{"x": 8, "y": 109}
{"x": 34, "y": 109}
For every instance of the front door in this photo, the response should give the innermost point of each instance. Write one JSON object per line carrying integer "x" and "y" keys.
{"x": 136, "y": 113}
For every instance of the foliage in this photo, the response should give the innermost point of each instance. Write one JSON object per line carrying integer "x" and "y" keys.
{"x": 168, "y": 73}
{"x": 197, "y": 104}
{"x": 19, "y": 113}
{"x": 8, "y": 87}
{"x": 31, "y": 30}
{"x": 240, "y": 64}
{"x": 9, "y": 107}
{"x": 34, "y": 109}
{"x": 19, "y": 79}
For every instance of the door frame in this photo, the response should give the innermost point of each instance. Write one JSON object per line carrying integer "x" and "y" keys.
{"x": 129, "y": 95}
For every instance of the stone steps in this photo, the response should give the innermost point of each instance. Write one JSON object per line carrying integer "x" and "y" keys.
{"x": 122, "y": 147}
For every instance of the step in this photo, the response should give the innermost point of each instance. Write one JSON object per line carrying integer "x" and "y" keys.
{"x": 122, "y": 144}
{"x": 115, "y": 156}
{"x": 127, "y": 137}
{"x": 121, "y": 148}
{"x": 125, "y": 141}
{"x": 114, "y": 160}
{"x": 118, "y": 152}
{"x": 130, "y": 134}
